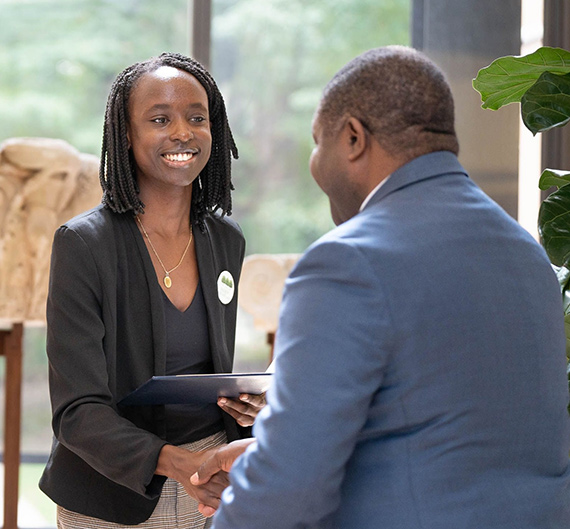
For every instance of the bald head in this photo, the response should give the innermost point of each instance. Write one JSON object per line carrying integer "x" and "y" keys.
{"x": 399, "y": 95}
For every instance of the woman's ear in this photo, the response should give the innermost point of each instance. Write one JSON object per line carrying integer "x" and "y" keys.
{"x": 357, "y": 136}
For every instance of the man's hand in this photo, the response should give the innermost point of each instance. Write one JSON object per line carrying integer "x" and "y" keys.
{"x": 179, "y": 464}
{"x": 220, "y": 461}
{"x": 243, "y": 409}
{"x": 209, "y": 494}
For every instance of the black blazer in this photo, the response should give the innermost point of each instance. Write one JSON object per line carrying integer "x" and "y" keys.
{"x": 106, "y": 336}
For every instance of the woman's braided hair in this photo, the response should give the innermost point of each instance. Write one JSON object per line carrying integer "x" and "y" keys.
{"x": 211, "y": 191}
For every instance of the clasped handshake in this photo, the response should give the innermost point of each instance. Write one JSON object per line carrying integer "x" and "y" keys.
{"x": 209, "y": 476}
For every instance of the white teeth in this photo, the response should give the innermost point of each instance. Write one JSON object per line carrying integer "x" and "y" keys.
{"x": 180, "y": 157}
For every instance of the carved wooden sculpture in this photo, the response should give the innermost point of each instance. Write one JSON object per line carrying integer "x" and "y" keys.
{"x": 43, "y": 183}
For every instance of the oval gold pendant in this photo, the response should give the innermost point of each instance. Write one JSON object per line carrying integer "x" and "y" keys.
{"x": 167, "y": 281}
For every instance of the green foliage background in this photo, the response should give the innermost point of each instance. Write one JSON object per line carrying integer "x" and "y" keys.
{"x": 58, "y": 59}
{"x": 271, "y": 59}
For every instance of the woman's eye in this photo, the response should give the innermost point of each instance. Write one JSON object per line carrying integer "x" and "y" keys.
{"x": 198, "y": 119}
{"x": 159, "y": 120}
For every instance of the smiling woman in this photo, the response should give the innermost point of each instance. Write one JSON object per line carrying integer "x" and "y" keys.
{"x": 169, "y": 133}
{"x": 134, "y": 294}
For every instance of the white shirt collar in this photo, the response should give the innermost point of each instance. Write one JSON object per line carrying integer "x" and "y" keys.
{"x": 372, "y": 193}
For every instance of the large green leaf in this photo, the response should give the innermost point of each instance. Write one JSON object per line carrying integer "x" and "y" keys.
{"x": 553, "y": 177}
{"x": 554, "y": 226}
{"x": 563, "y": 276}
{"x": 506, "y": 79}
{"x": 546, "y": 104}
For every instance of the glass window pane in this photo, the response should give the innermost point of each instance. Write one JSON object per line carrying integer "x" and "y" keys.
{"x": 58, "y": 59}
{"x": 57, "y": 62}
{"x": 272, "y": 59}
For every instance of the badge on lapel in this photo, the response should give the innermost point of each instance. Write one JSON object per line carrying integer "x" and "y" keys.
{"x": 226, "y": 287}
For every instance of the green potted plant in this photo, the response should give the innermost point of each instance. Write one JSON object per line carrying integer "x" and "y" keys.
{"x": 540, "y": 82}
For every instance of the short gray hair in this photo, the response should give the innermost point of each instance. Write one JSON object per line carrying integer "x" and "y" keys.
{"x": 399, "y": 95}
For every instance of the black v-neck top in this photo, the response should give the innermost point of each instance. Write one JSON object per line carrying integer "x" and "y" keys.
{"x": 188, "y": 352}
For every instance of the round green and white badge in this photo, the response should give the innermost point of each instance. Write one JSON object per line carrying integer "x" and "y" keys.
{"x": 226, "y": 287}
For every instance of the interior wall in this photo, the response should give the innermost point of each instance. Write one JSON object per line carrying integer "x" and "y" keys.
{"x": 463, "y": 36}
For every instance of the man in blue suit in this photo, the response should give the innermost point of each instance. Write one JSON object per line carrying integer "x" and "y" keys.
{"x": 420, "y": 367}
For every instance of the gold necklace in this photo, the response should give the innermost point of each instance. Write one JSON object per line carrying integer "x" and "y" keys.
{"x": 167, "y": 281}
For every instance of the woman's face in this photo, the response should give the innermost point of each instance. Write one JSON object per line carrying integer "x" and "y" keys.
{"x": 168, "y": 128}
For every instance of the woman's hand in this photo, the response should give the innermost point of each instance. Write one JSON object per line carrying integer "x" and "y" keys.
{"x": 244, "y": 409}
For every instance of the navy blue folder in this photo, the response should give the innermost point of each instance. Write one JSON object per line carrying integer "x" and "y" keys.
{"x": 196, "y": 389}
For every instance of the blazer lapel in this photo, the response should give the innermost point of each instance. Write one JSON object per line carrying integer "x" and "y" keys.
{"x": 156, "y": 304}
{"x": 208, "y": 268}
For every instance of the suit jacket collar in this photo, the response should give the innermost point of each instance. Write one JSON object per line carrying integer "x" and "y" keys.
{"x": 427, "y": 166}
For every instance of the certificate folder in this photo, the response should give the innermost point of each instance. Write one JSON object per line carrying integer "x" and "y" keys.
{"x": 196, "y": 389}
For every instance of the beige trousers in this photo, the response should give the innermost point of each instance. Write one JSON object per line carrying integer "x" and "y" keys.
{"x": 174, "y": 510}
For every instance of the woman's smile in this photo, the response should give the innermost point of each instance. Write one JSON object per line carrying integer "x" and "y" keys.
{"x": 180, "y": 159}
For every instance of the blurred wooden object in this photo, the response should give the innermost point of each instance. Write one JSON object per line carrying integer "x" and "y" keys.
{"x": 261, "y": 289}
{"x": 11, "y": 350}
{"x": 43, "y": 183}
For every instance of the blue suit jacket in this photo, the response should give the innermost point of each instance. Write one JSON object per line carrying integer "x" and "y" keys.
{"x": 420, "y": 373}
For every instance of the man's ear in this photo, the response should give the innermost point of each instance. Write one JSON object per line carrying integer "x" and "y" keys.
{"x": 357, "y": 136}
